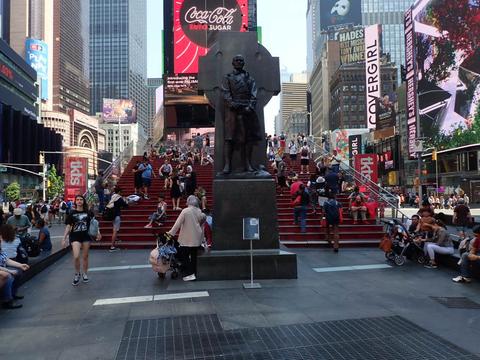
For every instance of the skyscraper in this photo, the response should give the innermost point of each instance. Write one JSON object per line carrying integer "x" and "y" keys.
{"x": 252, "y": 15}
{"x": 5, "y": 20}
{"x": 118, "y": 54}
{"x": 391, "y": 15}
{"x": 153, "y": 84}
{"x": 70, "y": 56}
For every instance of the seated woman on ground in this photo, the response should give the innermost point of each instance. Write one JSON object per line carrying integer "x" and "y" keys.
{"x": 441, "y": 243}
{"x": 159, "y": 216}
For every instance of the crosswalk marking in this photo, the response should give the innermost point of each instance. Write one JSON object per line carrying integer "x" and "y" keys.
{"x": 122, "y": 267}
{"x": 148, "y": 298}
{"x": 350, "y": 268}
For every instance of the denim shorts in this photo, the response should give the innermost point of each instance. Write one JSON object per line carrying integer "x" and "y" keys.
{"x": 116, "y": 223}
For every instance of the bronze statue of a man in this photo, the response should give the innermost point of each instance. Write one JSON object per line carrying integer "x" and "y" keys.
{"x": 242, "y": 128}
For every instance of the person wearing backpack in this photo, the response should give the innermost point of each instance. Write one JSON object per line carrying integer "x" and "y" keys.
{"x": 300, "y": 202}
{"x": 77, "y": 233}
{"x": 44, "y": 240}
{"x": 332, "y": 210}
{"x": 117, "y": 202}
{"x": 62, "y": 211}
{"x": 44, "y": 212}
{"x": 304, "y": 158}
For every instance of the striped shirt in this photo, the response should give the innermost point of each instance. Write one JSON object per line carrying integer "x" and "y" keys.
{"x": 3, "y": 259}
{"x": 10, "y": 248}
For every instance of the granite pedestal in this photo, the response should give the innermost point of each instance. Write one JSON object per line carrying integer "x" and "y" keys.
{"x": 229, "y": 258}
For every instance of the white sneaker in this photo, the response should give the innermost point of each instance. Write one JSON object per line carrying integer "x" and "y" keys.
{"x": 85, "y": 278}
{"x": 190, "y": 278}
{"x": 461, "y": 279}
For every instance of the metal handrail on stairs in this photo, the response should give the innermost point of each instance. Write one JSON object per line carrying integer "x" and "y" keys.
{"x": 382, "y": 194}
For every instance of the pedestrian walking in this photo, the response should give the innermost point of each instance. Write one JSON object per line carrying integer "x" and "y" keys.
{"x": 76, "y": 232}
{"x": 190, "y": 224}
{"x": 147, "y": 174}
{"x": 117, "y": 202}
{"x": 332, "y": 210}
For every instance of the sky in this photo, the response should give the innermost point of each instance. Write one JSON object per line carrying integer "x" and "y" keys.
{"x": 283, "y": 25}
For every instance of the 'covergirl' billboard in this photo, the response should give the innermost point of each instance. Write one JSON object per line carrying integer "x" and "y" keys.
{"x": 197, "y": 24}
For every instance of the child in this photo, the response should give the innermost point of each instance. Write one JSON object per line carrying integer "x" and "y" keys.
{"x": 159, "y": 216}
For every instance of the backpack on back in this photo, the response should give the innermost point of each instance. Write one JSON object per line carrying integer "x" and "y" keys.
{"x": 63, "y": 206}
{"x": 44, "y": 209}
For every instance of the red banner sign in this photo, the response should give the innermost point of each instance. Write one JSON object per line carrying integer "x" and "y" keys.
{"x": 367, "y": 166}
{"x": 76, "y": 171}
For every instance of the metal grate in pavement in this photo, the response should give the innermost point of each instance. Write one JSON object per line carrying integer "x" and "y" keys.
{"x": 457, "y": 302}
{"x": 201, "y": 337}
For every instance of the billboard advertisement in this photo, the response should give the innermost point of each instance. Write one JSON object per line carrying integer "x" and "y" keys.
{"x": 183, "y": 89}
{"x": 76, "y": 171}
{"x": 354, "y": 145}
{"x": 340, "y": 140}
{"x": 448, "y": 71}
{"x": 352, "y": 46}
{"x": 36, "y": 53}
{"x": 410, "y": 83}
{"x": 386, "y": 111}
{"x": 372, "y": 73}
{"x": 339, "y": 12}
{"x": 196, "y": 26}
{"x": 366, "y": 167}
{"x": 121, "y": 111}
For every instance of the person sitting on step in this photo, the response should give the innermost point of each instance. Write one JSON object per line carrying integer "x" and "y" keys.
{"x": 159, "y": 216}
{"x": 358, "y": 206}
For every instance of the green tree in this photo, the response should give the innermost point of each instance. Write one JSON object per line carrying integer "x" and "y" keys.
{"x": 55, "y": 183}
{"x": 13, "y": 191}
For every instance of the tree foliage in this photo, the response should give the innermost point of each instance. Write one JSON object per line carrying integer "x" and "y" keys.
{"x": 55, "y": 183}
{"x": 13, "y": 191}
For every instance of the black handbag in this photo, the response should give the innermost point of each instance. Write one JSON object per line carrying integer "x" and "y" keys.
{"x": 108, "y": 214}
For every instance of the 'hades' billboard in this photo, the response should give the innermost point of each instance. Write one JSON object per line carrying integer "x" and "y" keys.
{"x": 338, "y": 12}
{"x": 197, "y": 24}
{"x": 447, "y": 57}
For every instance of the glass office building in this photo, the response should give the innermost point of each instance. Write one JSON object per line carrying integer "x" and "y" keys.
{"x": 389, "y": 13}
{"x": 118, "y": 54}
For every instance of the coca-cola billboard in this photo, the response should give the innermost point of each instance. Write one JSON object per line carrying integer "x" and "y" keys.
{"x": 76, "y": 171}
{"x": 196, "y": 27}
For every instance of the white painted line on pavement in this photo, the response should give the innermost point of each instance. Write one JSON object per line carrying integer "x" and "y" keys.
{"x": 122, "y": 267}
{"x": 124, "y": 300}
{"x": 148, "y": 298}
{"x": 188, "y": 295}
{"x": 350, "y": 268}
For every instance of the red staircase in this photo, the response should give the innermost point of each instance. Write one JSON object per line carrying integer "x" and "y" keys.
{"x": 367, "y": 234}
{"x": 133, "y": 234}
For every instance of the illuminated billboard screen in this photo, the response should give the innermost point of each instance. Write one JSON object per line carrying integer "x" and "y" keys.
{"x": 338, "y": 12}
{"x": 36, "y": 52}
{"x": 448, "y": 71}
{"x": 352, "y": 46}
{"x": 183, "y": 89}
{"x": 119, "y": 110}
{"x": 197, "y": 24}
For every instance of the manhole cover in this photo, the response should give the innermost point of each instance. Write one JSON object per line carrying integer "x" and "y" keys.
{"x": 457, "y": 302}
{"x": 202, "y": 337}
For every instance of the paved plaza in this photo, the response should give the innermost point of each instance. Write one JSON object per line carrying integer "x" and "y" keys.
{"x": 345, "y": 306}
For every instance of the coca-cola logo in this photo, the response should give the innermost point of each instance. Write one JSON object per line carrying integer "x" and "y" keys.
{"x": 202, "y": 20}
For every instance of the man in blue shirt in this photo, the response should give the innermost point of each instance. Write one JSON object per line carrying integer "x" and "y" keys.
{"x": 147, "y": 173}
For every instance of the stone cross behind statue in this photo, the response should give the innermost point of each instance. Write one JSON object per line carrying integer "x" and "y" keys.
{"x": 264, "y": 69}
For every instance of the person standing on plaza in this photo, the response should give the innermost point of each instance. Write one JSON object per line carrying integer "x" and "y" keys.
{"x": 190, "y": 224}
{"x": 76, "y": 232}
{"x": 332, "y": 210}
{"x": 62, "y": 210}
{"x": 461, "y": 215}
{"x": 117, "y": 202}
{"x": 100, "y": 190}
{"x": 44, "y": 239}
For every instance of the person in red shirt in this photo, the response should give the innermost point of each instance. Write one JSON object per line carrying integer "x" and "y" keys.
{"x": 358, "y": 206}
{"x": 295, "y": 186}
{"x": 468, "y": 258}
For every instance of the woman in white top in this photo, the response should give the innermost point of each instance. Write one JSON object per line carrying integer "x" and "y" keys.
{"x": 292, "y": 149}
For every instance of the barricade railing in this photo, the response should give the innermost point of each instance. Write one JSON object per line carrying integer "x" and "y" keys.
{"x": 379, "y": 193}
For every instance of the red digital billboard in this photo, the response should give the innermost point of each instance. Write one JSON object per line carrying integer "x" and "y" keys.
{"x": 76, "y": 170}
{"x": 196, "y": 27}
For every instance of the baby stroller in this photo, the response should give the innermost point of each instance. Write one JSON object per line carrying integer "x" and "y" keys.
{"x": 163, "y": 257}
{"x": 399, "y": 245}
